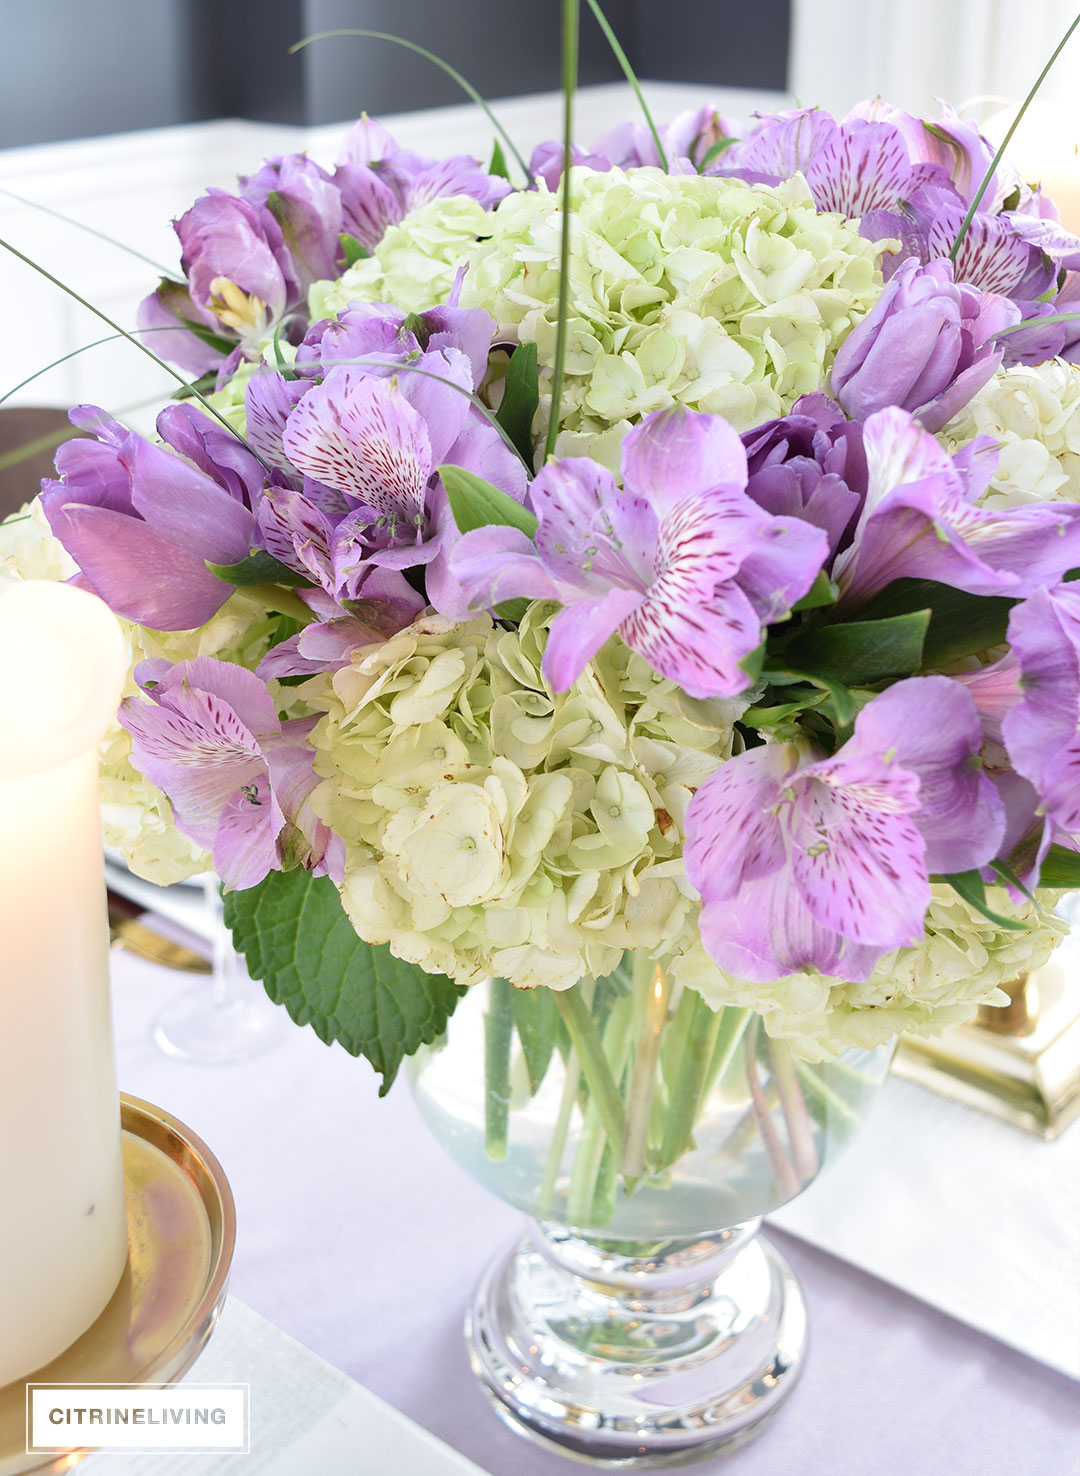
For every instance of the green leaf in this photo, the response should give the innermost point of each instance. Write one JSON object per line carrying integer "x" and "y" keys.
{"x": 710, "y": 154}
{"x": 521, "y": 395}
{"x": 513, "y": 610}
{"x": 208, "y": 336}
{"x": 1060, "y": 868}
{"x": 970, "y": 886}
{"x": 352, "y": 249}
{"x": 753, "y": 663}
{"x": 201, "y": 386}
{"x": 863, "y": 650}
{"x": 498, "y": 162}
{"x": 259, "y": 567}
{"x": 844, "y": 703}
{"x": 773, "y": 716}
{"x": 960, "y": 623}
{"x": 296, "y": 938}
{"x": 536, "y": 1021}
{"x": 477, "y": 504}
{"x": 822, "y": 592}
{"x": 1009, "y": 876}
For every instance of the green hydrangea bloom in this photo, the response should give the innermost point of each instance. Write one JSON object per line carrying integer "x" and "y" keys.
{"x": 415, "y": 263}
{"x": 961, "y": 963}
{"x": 494, "y": 827}
{"x": 727, "y": 297}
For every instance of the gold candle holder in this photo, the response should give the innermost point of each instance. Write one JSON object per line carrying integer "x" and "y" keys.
{"x": 181, "y": 1228}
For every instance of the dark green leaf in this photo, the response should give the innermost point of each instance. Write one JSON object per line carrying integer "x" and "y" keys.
{"x": 498, "y": 162}
{"x": 753, "y": 663}
{"x": 296, "y": 938}
{"x": 536, "y": 1020}
{"x": 771, "y": 717}
{"x": 960, "y": 623}
{"x": 862, "y": 650}
{"x": 477, "y": 504}
{"x": 201, "y": 386}
{"x": 513, "y": 610}
{"x": 521, "y": 395}
{"x": 844, "y": 705}
{"x": 207, "y": 336}
{"x": 822, "y": 592}
{"x": 970, "y": 886}
{"x": 259, "y": 567}
{"x": 1060, "y": 868}
{"x": 352, "y": 249}
{"x": 1009, "y": 876}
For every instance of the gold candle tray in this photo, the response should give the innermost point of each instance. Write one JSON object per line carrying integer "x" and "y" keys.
{"x": 181, "y": 1231}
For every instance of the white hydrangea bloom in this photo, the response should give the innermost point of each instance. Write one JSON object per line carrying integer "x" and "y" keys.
{"x": 493, "y": 827}
{"x": 962, "y": 962}
{"x": 1033, "y": 412}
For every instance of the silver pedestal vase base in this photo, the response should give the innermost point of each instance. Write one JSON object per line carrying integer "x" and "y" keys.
{"x": 632, "y": 1355}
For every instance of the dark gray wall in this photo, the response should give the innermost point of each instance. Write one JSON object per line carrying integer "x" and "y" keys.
{"x": 75, "y": 68}
{"x": 72, "y": 68}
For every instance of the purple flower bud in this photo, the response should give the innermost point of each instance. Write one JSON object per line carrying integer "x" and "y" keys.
{"x": 927, "y": 346}
{"x": 141, "y": 522}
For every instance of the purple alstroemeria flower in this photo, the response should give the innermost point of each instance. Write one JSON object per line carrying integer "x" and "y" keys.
{"x": 920, "y": 520}
{"x": 856, "y": 167}
{"x": 356, "y": 602}
{"x": 375, "y": 443}
{"x": 306, "y": 204}
{"x": 1041, "y": 731}
{"x": 927, "y": 345}
{"x": 810, "y": 465}
{"x": 380, "y": 182}
{"x": 141, "y": 522}
{"x": 680, "y": 561}
{"x": 687, "y": 140}
{"x": 238, "y": 283}
{"x": 237, "y": 777}
{"x": 950, "y": 142}
{"x": 805, "y": 862}
{"x": 388, "y": 336}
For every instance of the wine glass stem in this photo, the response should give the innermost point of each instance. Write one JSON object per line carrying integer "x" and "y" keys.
{"x": 224, "y": 978}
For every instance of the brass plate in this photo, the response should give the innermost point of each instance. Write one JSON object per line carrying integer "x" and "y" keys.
{"x": 181, "y": 1232}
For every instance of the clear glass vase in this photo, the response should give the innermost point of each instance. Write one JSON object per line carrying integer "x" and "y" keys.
{"x": 640, "y": 1322}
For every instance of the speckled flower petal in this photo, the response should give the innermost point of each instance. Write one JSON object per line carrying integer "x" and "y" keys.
{"x": 360, "y": 436}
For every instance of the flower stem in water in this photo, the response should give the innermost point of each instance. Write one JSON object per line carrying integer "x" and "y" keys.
{"x": 804, "y": 1156}
{"x": 697, "y": 1055}
{"x": 498, "y": 1035}
{"x": 594, "y": 1064}
{"x": 651, "y": 981}
{"x": 783, "y": 1174}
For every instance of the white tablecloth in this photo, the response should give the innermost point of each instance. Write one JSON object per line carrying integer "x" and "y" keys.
{"x": 362, "y": 1240}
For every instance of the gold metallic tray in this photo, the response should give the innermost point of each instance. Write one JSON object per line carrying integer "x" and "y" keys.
{"x": 181, "y": 1231}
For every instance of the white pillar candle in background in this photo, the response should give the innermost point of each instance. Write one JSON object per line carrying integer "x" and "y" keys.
{"x": 63, "y": 1238}
{"x": 1045, "y": 150}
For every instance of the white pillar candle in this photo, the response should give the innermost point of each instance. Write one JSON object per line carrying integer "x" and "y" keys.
{"x": 1045, "y": 150}
{"x": 63, "y": 1237}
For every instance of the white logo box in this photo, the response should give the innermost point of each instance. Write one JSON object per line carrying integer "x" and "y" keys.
{"x": 137, "y": 1417}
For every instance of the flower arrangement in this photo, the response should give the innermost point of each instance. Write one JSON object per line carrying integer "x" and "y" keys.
{"x": 703, "y": 590}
